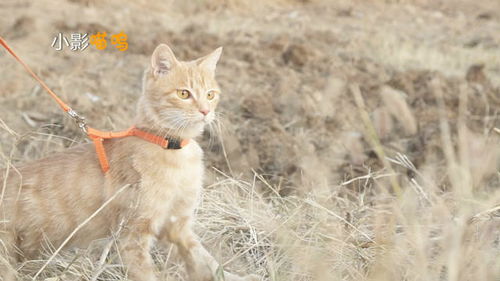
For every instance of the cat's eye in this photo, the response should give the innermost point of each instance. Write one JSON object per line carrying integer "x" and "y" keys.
{"x": 211, "y": 95}
{"x": 183, "y": 94}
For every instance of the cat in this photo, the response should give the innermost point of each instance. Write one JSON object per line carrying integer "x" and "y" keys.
{"x": 47, "y": 199}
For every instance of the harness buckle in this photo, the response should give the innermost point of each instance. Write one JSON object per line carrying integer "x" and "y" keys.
{"x": 173, "y": 143}
{"x": 79, "y": 120}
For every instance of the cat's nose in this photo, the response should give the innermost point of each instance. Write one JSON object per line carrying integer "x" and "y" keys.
{"x": 204, "y": 111}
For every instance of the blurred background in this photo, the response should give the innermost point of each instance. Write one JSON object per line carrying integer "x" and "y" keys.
{"x": 357, "y": 139}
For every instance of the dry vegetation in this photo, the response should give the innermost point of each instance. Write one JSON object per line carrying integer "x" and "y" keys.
{"x": 358, "y": 138}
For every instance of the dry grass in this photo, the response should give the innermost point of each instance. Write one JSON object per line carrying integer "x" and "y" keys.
{"x": 319, "y": 180}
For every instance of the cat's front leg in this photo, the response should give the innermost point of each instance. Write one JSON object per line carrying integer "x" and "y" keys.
{"x": 134, "y": 247}
{"x": 200, "y": 264}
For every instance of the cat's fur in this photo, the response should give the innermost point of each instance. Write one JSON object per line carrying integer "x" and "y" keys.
{"x": 46, "y": 199}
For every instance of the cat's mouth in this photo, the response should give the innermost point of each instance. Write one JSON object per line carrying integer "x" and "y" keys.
{"x": 201, "y": 121}
{"x": 205, "y": 119}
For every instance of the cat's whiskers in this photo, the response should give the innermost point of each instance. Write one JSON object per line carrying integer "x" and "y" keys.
{"x": 219, "y": 124}
{"x": 213, "y": 132}
{"x": 174, "y": 121}
{"x": 176, "y": 128}
{"x": 210, "y": 134}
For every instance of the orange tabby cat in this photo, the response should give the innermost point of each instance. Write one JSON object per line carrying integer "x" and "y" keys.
{"x": 47, "y": 199}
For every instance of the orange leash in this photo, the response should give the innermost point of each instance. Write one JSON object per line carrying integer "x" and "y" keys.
{"x": 97, "y": 136}
{"x": 28, "y": 69}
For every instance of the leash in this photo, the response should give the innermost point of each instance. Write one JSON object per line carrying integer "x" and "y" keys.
{"x": 95, "y": 135}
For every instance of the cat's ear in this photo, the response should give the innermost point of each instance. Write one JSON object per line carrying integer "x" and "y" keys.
{"x": 210, "y": 61}
{"x": 163, "y": 60}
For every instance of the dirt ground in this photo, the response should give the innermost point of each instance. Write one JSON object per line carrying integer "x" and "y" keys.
{"x": 295, "y": 133}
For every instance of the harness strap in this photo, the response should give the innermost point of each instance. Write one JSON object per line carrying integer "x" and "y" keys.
{"x": 97, "y": 136}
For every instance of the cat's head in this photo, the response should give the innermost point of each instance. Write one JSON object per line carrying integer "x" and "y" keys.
{"x": 180, "y": 97}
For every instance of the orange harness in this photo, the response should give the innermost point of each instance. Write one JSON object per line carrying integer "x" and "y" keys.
{"x": 95, "y": 135}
